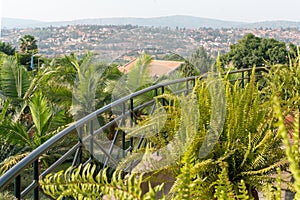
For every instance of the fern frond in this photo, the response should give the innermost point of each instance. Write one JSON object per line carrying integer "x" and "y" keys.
{"x": 84, "y": 183}
{"x": 223, "y": 187}
{"x": 243, "y": 192}
{"x": 11, "y": 161}
{"x": 266, "y": 169}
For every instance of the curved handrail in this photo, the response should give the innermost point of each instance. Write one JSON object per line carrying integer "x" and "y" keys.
{"x": 32, "y": 158}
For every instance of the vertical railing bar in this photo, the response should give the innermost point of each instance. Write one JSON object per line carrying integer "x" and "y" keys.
{"x": 194, "y": 82}
{"x": 36, "y": 174}
{"x": 243, "y": 78}
{"x": 162, "y": 89}
{"x": 80, "y": 140}
{"x": 140, "y": 142}
{"x": 131, "y": 119}
{"x": 131, "y": 112}
{"x": 186, "y": 87}
{"x": 17, "y": 187}
{"x": 162, "y": 92}
{"x": 249, "y": 75}
{"x": 111, "y": 148}
{"x": 154, "y": 104}
{"x": 78, "y": 155}
{"x": 123, "y": 132}
{"x": 91, "y": 140}
{"x": 153, "y": 108}
{"x": 131, "y": 125}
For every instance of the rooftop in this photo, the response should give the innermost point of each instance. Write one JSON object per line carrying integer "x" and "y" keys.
{"x": 156, "y": 67}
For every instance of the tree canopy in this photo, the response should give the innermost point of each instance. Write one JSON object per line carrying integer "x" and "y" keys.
{"x": 7, "y": 48}
{"x": 255, "y": 51}
{"x": 201, "y": 60}
{"x": 28, "y": 44}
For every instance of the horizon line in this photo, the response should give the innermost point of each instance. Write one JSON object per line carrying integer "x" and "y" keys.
{"x": 146, "y": 17}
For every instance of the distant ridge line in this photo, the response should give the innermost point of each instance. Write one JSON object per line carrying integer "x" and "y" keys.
{"x": 180, "y": 21}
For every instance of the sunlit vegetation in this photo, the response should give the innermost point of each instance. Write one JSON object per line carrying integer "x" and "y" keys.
{"x": 221, "y": 141}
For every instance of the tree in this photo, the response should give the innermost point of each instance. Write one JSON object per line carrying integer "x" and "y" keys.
{"x": 27, "y": 117}
{"x": 28, "y": 48}
{"x": 28, "y": 44}
{"x": 255, "y": 51}
{"x": 201, "y": 60}
{"x": 7, "y": 48}
{"x": 44, "y": 121}
{"x": 274, "y": 52}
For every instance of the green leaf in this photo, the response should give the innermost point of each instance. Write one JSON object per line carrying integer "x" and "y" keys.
{"x": 15, "y": 80}
{"x": 41, "y": 116}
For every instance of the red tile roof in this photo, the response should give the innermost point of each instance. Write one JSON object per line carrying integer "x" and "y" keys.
{"x": 156, "y": 67}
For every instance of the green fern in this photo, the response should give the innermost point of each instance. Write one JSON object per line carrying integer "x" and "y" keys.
{"x": 11, "y": 161}
{"x": 84, "y": 183}
{"x": 291, "y": 151}
{"x": 243, "y": 192}
{"x": 278, "y": 187}
{"x": 223, "y": 187}
{"x": 182, "y": 188}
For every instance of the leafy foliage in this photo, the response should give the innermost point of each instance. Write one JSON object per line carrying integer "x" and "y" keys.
{"x": 11, "y": 161}
{"x": 201, "y": 60}
{"x": 247, "y": 143}
{"x": 7, "y": 48}
{"x": 28, "y": 44}
{"x": 85, "y": 183}
{"x": 15, "y": 79}
{"x": 283, "y": 81}
{"x": 292, "y": 150}
{"x": 255, "y": 51}
{"x": 243, "y": 151}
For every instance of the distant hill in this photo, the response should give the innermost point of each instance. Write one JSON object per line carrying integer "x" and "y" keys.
{"x": 170, "y": 21}
{"x": 180, "y": 21}
{"x": 273, "y": 24}
{"x": 20, "y": 23}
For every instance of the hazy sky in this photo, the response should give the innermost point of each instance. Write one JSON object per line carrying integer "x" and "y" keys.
{"x": 237, "y": 10}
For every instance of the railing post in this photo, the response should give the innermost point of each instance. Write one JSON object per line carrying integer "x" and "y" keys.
{"x": 131, "y": 119}
{"x": 80, "y": 140}
{"x": 194, "y": 82}
{"x": 243, "y": 79}
{"x": 36, "y": 173}
{"x": 123, "y": 132}
{"x": 186, "y": 87}
{"x": 91, "y": 140}
{"x": 249, "y": 75}
{"x": 162, "y": 92}
{"x": 17, "y": 187}
{"x": 78, "y": 155}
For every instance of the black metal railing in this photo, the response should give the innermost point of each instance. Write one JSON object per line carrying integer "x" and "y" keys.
{"x": 87, "y": 129}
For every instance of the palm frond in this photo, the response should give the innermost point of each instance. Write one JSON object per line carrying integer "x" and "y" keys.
{"x": 15, "y": 80}
{"x": 41, "y": 114}
{"x": 15, "y": 133}
{"x": 138, "y": 76}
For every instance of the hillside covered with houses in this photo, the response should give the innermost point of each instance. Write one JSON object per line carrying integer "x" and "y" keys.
{"x": 112, "y": 42}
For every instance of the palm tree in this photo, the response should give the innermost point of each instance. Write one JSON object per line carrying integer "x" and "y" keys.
{"x": 27, "y": 118}
{"x": 80, "y": 84}
{"x": 43, "y": 122}
{"x": 28, "y": 44}
{"x": 7, "y": 48}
